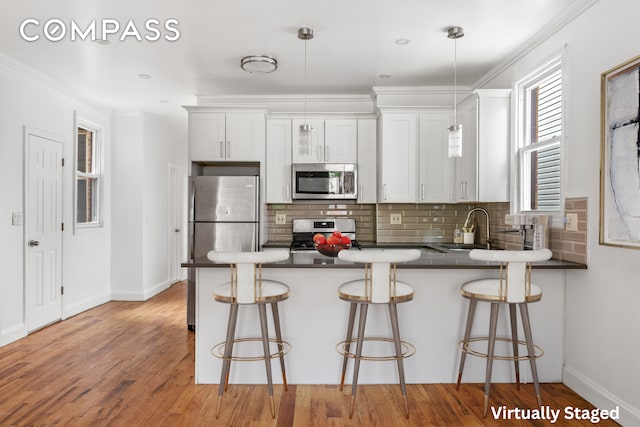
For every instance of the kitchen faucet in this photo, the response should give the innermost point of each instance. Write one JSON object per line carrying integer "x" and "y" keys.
{"x": 466, "y": 223}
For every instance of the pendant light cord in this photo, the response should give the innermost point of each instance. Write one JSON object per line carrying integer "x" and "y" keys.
{"x": 455, "y": 81}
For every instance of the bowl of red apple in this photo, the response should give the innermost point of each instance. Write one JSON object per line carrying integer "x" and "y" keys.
{"x": 331, "y": 245}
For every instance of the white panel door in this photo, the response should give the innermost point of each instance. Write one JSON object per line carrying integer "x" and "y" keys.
{"x": 43, "y": 230}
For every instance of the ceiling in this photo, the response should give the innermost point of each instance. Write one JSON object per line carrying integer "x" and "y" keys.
{"x": 354, "y": 44}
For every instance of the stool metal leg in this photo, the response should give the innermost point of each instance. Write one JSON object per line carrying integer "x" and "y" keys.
{"x": 490, "y": 349}
{"x": 228, "y": 351}
{"x": 514, "y": 342}
{"x": 356, "y": 367}
{"x": 526, "y": 325}
{"x": 352, "y": 317}
{"x": 276, "y": 325}
{"x": 393, "y": 314}
{"x": 467, "y": 335}
{"x": 267, "y": 360}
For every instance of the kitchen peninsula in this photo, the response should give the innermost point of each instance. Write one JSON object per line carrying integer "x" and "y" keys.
{"x": 314, "y": 320}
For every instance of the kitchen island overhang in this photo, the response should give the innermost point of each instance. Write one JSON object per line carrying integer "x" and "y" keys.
{"x": 314, "y": 320}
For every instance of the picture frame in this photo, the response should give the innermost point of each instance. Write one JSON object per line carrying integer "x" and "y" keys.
{"x": 620, "y": 155}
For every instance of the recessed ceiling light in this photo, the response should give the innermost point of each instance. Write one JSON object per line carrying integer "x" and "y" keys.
{"x": 384, "y": 76}
{"x": 144, "y": 76}
{"x": 261, "y": 64}
{"x": 402, "y": 42}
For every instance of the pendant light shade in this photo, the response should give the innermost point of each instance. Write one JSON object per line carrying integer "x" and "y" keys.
{"x": 304, "y": 142}
{"x": 455, "y": 130}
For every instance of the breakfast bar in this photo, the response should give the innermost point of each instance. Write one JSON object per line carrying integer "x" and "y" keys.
{"x": 314, "y": 318}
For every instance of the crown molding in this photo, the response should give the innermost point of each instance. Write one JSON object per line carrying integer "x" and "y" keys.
{"x": 552, "y": 27}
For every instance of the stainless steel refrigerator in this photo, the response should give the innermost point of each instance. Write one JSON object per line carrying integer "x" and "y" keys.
{"x": 223, "y": 215}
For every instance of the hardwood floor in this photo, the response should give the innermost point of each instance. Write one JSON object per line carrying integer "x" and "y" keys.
{"x": 132, "y": 364}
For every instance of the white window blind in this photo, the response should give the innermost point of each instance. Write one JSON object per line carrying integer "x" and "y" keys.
{"x": 540, "y": 153}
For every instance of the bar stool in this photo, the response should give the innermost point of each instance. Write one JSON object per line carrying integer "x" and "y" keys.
{"x": 514, "y": 288}
{"x": 379, "y": 286}
{"x": 248, "y": 287}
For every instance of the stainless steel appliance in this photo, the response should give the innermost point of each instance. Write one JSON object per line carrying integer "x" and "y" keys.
{"x": 223, "y": 215}
{"x": 325, "y": 181}
{"x": 305, "y": 229}
{"x": 534, "y": 229}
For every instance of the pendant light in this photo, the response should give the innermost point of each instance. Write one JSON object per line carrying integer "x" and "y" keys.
{"x": 304, "y": 145}
{"x": 455, "y": 130}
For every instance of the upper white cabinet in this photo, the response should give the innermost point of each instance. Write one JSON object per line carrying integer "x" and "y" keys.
{"x": 332, "y": 141}
{"x": 434, "y": 172}
{"x": 397, "y": 161}
{"x": 278, "y": 161}
{"x": 482, "y": 173}
{"x": 412, "y": 163}
{"x": 215, "y": 136}
{"x": 367, "y": 161}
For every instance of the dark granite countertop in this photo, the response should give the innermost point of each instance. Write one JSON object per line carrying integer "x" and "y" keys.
{"x": 432, "y": 257}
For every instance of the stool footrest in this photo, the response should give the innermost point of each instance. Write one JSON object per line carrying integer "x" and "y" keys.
{"x": 465, "y": 347}
{"x": 407, "y": 348}
{"x": 218, "y": 350}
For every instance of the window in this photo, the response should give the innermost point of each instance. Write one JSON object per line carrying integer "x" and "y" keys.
{"x": 88, "y": 175}
{"x": 540, "y": 140}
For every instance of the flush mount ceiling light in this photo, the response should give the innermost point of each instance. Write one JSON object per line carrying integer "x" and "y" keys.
{"x": 402, "y": 42}
{"x": 260, "y": 64}
{"x": 455, "y": 130}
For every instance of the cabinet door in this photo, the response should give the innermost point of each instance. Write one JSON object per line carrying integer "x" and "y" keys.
{"x": 308, "y": 151}
{"x": 465, "y": 183}
{"x": 434, "y": 170}
{"x": 397, "y": 158}
{"x": 278, "y": 163}
{"x": 206, "y": 136}
{"x": 367, "y": 161}
{"x": 245, "y": 136}
{"x": 341, "y": 141}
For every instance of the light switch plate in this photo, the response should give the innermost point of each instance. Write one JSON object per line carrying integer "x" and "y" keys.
{"x": 16, "y": 218}
{"x": 396, "y": 219}
{"x": 281, "y": 219}
{"x": 572, "y": 222}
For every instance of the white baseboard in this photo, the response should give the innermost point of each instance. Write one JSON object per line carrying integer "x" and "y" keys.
{"x": 148, "y": 293}
{"x": 14, "y": 333}
{"x": 600, "y": 397}
{"x": 141, "y": 295}
{"x": 72, "y": 310}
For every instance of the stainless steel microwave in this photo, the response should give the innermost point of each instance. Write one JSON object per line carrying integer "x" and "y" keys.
{"x": 325, "y": 181}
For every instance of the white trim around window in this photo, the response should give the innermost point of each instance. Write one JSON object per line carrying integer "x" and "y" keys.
{"x": 88, "y": 180}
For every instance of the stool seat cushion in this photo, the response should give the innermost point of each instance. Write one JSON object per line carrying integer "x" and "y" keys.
{"x": 271, "y": 291}
{"x": 356, "y": 291}
{"x": 489, "y": 290}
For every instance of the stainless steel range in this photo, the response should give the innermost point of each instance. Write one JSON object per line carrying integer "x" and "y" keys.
{"x": 305, "y": 229}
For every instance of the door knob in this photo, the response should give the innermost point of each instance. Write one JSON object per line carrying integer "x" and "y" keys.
{"x": 177, "y": 230}
{"x": 33, "y": 243}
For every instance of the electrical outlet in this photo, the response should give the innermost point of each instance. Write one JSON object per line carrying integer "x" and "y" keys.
{"x": 396, "y": 219}
{"x": 281, "y": 219}
{"x": 572, "y": 222}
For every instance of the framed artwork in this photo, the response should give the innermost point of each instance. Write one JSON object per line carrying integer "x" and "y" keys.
{"x": 620, "y": 155}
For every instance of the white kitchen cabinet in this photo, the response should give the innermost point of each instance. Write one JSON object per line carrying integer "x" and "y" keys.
{"x": 367, "y": 161}
{"x": 332, "y": 141}
{"x": 482, "y": 173}
{"x": 397, "y": 160}
{"x": 341, "y": 141}
{"x": 311, "y": 150}
{"x": 215, "y": 136}
{"x": 278, "y": 161}
{"x": 434, "y": 175}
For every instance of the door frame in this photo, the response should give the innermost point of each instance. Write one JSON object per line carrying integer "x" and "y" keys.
{"x": 179, "y": 204}
{"x": 27, "y": 131}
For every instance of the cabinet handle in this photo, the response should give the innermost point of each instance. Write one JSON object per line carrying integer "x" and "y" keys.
{"x": 222, "y": 149}
{"x": 360, "y": 192}
{"x": 326, "y": 153}
{"x": 320, "y": 154}
{"x": 287, "y": 192}
{"x": 384, "y": 188}
{"x": 228, "y": 149}
{"x": 422, "y": 191}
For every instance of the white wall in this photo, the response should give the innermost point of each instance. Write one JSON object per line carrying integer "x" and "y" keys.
{"x": 29, "y": 100}
{"x": 602, "y": 313}
{"x": 144, "y": 146}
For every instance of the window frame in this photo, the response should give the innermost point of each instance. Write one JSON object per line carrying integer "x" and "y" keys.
{"x": 522, "y": 146}
{"x": 97, "y": 173}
